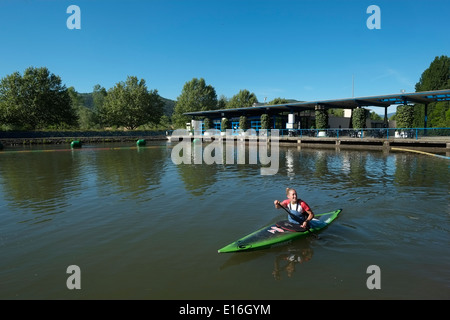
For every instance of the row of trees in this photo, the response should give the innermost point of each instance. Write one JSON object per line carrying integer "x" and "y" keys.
{"x": 39, "y": 100}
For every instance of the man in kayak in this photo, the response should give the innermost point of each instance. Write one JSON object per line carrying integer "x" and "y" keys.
{"x": 300, "y": 212}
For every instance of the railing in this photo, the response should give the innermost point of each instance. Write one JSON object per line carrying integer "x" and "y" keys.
{"x": 379, "y": 133}
{"x": 80, "y": 133}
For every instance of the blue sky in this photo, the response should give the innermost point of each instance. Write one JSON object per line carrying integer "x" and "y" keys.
{"x": 304, "y": 50}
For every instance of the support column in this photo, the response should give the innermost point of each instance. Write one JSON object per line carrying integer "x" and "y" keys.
{"x": 426, "y": 115}
{"x": 291, "y": 121}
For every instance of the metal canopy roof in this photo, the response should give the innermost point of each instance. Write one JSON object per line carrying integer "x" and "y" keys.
{"x": 384, "y": 101}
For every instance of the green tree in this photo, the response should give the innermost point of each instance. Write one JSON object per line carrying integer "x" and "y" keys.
{"x": 359, "y": 118}
{"x": 222, "y": 102}
{"x": 196, "y": 96}
{"x": 98, "y": 96}
{"x": 405, "y": 116}
{"x": 12, "y": 111}
{"x": 435, "y": 77}
{"x": 243, "y": 123}
{"x": 207, "y": 124}
{"x": 242, "y": 100}
{"x": 336, "y": 112}
{"x": 164, "y": 122}
{"x": 265, "y": 121}
{"x": 130, "y": 104}
{"x": 225, "y": 124}
{"x": 278, "y": 101}
{"x": 374, "y": 116}
{"x": 38, "y": 99}
{"x": 321, "y": 119}
{"x": 85, "y": 115}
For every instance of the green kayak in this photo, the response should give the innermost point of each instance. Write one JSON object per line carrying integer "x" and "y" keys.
{"x": 279, "y": 233}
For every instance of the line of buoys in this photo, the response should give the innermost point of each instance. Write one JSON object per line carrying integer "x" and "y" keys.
{"x": 421, "y": 152}
{"x": 141, "y": 142}
{"x": 75, "y": 144}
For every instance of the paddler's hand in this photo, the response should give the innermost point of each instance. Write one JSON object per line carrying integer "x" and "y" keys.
{"x": 277, "y": 204}
{"x": 304, "y": 224}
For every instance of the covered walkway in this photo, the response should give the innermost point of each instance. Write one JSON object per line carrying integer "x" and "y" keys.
{"x": 381, "y": 101}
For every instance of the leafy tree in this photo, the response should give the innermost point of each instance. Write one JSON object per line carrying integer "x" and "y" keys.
{"x": 196, "y": 96}
{"x": 278, "y": 101}
{"x": 98, "y": 98}
{"x": 265, "y": 121}
{"x": 222, "y": 102}
{"x": 225, "y": 124}
{"x": 405, "y": 116}
{"x": 243, "y": 123}
{"x": 207, "y": 124}
{"x": 374, "y": 116}
{"x": 130, "y": 104}
{"x": 336, "y": 112}
{"x": 38, "y": 99}
{"x": 11, "y": 110}
{"x": 242, "y": 100}
{"x": 164, "y": 122}
{"x": 435, "y": 77}
{"x": 86, "y": 119}
{"x": 321, "y": 119}
{"x": 359, "y": 118}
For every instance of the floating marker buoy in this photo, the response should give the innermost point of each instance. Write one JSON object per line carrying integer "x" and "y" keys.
{"x": 75, "y": 144}
{"x": 140, "y": 142}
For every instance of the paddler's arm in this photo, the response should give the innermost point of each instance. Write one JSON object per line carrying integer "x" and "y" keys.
{"x": 308, "y": 219}
{"x": 277, "y": 204}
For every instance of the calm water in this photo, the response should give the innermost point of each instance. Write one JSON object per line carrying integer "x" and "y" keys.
{"x": 140, "y": 227}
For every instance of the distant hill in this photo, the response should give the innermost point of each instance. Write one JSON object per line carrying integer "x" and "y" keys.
{"x": 88, "y": 100}
{"x": 389, "y": 115}
{"x": 169, "y": 105}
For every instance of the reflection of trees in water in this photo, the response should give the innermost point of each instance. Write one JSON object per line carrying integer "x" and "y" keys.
{"x": 321, "y": 163}
{"x": 338, "y": 168}
{"x": 39, "y": 181}
{"x": 358, "y": 174}
{"x": 290, "y": 163}
{"x": 208, "y": 160}
{"x": 419, "y": 170}
{"x": 131, "y": 170}
{"x": 358, "y": 168}
{"x": 197, "y": 178}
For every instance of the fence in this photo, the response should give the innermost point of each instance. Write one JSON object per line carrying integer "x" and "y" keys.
{"x": 380, "y": 133}
{"x": 83, "y": 134}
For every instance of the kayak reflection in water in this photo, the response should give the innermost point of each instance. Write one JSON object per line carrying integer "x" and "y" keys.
{"x": 303, "y": 255}
{"x": 299, "y": 210}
